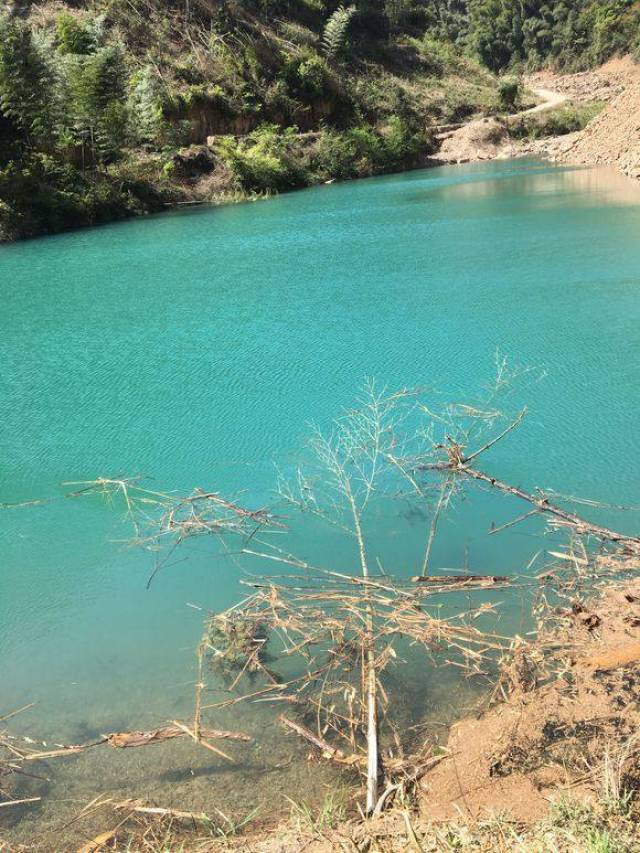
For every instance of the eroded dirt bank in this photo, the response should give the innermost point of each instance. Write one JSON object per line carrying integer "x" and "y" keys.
{"x": 612, "y": 138}
{"x": 550, "y": 737}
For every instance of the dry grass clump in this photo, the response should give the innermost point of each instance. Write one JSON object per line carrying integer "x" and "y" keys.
{"x": 571, "y": 826}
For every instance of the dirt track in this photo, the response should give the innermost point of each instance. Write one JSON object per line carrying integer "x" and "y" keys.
{"x": 488, "y": 138}
{"x": 549, "y": 100}
{"x": 612, "y": 138}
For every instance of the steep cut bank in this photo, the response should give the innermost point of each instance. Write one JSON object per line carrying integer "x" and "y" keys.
{"x": 613, "y": 137}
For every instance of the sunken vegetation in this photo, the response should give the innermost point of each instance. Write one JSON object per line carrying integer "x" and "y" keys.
{"x": 549, "y": 758}
{"x": 110, "y": 108}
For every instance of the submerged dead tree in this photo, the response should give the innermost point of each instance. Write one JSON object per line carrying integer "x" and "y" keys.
{"x": 326, "y": 625}
{"x": 321, "y": 639}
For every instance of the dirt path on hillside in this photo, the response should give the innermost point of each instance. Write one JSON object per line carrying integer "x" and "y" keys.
{"x": 487, "y": 138}
{"x": 612, "y": 138}
{"x": 550, "y": 100}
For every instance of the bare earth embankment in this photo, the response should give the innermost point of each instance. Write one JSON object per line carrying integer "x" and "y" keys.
{"x": 612, "y": 138}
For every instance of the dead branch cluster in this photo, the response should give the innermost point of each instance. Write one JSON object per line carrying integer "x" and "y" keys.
{"x": 162, "y": 516}
{"x": 319, "y": 629}
{"x": 322, "y": 640}
{"x": 349, "y": 628}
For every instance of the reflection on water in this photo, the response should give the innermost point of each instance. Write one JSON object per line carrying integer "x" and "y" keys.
{"x": 603, "y": 185}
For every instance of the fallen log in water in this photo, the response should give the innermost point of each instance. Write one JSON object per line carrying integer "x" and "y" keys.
{"x": 19, "y": 802}
{"x": 630, "y": 544}
{"x": 332, "y": 753}
{"x": 458, "y": 464}
{"x": 461, "y": 580}
{"x": 126, "y": 740}
{"x": 139, "y": 807}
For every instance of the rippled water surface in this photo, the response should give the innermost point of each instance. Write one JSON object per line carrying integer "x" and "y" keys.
{"x": 195, "y": 348}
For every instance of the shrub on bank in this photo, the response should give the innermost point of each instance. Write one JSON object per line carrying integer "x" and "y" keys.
{"x": 363, "y": 150}
{"x": 267, "y": 160}
{"x": 509, "y": 94}
{"x": 274, "y": 160}
{"x": 45, "y": 196}
{"x": 567, "y": 119}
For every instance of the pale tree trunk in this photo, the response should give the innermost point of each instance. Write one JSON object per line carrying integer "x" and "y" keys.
{"x": 370, "y": 678}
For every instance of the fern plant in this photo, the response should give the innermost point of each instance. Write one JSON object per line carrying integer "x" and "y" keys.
{"x": 26, "y": 82}
{"x": 334, "y": 38}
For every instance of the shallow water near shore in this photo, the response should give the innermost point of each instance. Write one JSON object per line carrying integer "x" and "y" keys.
{"x": 195, "y": 348}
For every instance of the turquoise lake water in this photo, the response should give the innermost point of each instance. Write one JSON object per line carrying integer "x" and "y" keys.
{"x": 196, "y": 347}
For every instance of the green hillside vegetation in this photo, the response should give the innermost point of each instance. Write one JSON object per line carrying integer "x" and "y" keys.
{"x": 110, "y": 108}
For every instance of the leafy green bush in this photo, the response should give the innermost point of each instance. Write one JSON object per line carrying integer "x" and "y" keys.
{"x": 439, "y": 56}
{"x": 72, "y": 35}
{"x": 379, "y": 97}
{"x": 363, "y": 150}
{"x": 369, "y": 149}
{"x": 268, "y": 160}
{"x": 509, "y": 92}
{"x": 306, "y": 75}
{"x": 402, "y": 144}
{"x": 45, "y": 196}
{"x": 313, "y": 75}
{"x": 334, "y": 156}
